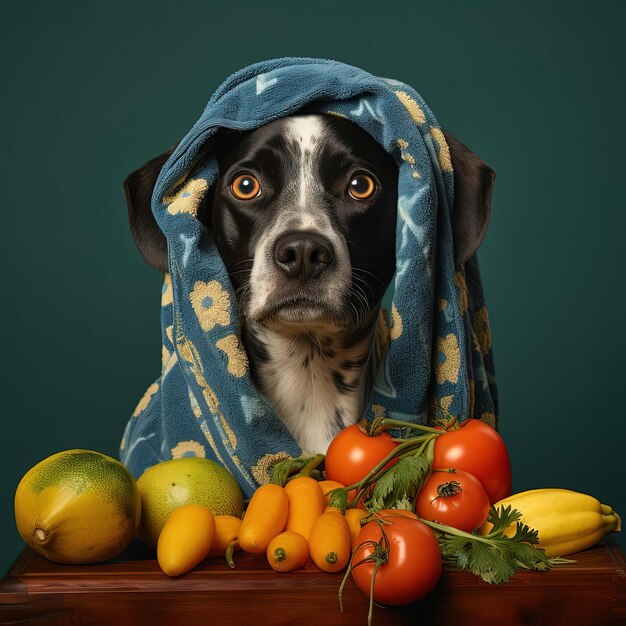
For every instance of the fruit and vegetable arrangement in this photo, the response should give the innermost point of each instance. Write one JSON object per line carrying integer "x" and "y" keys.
{"x": 394, "y": 503}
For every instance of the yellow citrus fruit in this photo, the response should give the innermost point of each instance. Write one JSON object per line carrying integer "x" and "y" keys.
{"x": 77, "y": 506}
{"x": 187, "y": 480}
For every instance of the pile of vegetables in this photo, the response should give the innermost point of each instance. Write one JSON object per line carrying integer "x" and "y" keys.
{"x": 392, "y": 510}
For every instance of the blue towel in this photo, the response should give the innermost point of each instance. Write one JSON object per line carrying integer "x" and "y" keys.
{"x": 437, "y": 336}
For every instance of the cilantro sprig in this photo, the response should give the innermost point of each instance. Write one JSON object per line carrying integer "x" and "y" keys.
{"x": 494, "y": 557}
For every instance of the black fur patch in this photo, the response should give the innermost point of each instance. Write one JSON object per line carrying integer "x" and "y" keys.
{"x": 339, "y": 418}
{"x": 341, "y": 385}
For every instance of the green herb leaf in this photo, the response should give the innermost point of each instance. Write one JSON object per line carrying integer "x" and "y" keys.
{"x": 502, "y": 518}
{"x": 339, "y": 498}
{"x": 404, "y": 504}
{"x": 494, "y": 557}
{"x": 399, "y": 484}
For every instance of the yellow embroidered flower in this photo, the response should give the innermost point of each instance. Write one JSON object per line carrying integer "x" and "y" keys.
{"x": 396, "y": 329}
{"x": 416, "y": 113}
{"x": 445, "y": 402}
{"x": 482, "y": 330}
{"x": 166, "y": 292}
{"x": 145, "y": 401}
{"x": 262, "y": 469}
{"x": 187, "y": 199}
{"x": 188, "y": 448}
{"x": 447, "y": 359}
{"x": 210, "y": 303}
{"x": 445, "y": 162}
{"x": 237, "y": 358}
{"x": 407, "y": 157}
{"x": 459, "y": 281}
{"x": 379, "y": 411}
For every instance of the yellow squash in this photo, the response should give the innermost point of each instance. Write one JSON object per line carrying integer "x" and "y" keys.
{"x": 329, "y": 542}
{"x": 566, "y": 521}
{"x": 265, "y": 518}
{"x": 185, "y": 539}
{"x": 288, "y": 551}
{"x": 306, "y": 504}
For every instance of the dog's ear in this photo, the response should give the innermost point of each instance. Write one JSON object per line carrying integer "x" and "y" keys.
{"x": 149, "y": 238}
{"x": 473, "y": 184}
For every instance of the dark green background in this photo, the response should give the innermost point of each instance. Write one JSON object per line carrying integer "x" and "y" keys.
{"x": 93, "y": 90}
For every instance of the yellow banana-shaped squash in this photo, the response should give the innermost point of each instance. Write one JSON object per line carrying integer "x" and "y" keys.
{"x": 566, "y": 521}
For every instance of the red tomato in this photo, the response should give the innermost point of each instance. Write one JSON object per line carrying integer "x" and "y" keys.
{"x": 413, "y": 565}
{"x": 352, "y": 454}
{"x": 463, "y": 505}
{"x": 478, "y": 449}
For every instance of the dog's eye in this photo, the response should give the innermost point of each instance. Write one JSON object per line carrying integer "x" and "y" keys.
{"x": 245, "y": 187}
{"x": 362, "y": 186}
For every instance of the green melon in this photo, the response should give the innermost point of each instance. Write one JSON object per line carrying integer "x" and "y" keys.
{"x": 188, "y": 480}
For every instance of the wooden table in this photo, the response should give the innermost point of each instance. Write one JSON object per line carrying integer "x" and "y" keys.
{"x": 132, "y": 590}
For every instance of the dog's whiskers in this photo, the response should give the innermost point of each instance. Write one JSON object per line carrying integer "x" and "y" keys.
{"x": 359, "y": 269}
{"x": 250, "y": 260}
{"x": 313, "y": 340}
{"x": 240, "y": 272}
{"x": 362, "y": 280}
{"x": 242, "y": 293}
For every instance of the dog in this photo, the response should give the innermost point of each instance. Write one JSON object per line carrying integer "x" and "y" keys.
{"x": 303, "y": 215}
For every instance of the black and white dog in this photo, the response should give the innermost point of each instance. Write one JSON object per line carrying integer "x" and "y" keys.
{"x": 304, "y": 217}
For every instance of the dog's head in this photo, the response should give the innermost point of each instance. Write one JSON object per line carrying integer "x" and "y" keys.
{"x": 304, "y": 216}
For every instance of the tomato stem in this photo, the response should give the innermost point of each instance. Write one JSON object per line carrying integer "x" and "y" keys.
{"x": 453, "y": 531}
{"x": 351, "y": 567}
{"x": 380, "y": 556}
{"x": 453, "y": 424}
{"x": 430, "y": 452}
{"x": 385, "y": 423}
{"x": 446, "y": 420}
{"x": 427, "y": 440}
{"x": 371, "y": 610}
{"x": 309, "y": 467}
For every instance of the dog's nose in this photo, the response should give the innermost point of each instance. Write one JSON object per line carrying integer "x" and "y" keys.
{"x": 303, "y": 255}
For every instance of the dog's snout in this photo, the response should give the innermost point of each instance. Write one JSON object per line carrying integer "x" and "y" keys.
{"x": 303, "y": 255}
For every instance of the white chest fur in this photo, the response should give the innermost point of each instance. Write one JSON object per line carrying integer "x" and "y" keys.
{"x": 316, "y": 386}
